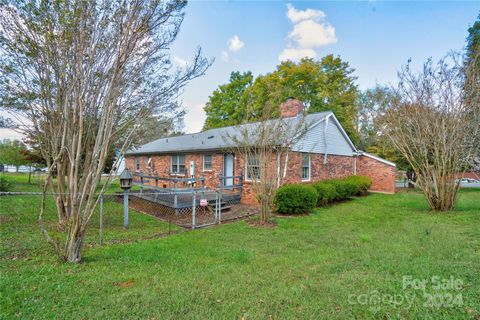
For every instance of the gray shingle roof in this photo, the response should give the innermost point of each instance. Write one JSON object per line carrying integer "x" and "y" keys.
{"x": 213, "y": 139}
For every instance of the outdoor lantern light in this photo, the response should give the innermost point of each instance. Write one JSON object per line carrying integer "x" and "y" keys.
{"x": 126, "y": 179}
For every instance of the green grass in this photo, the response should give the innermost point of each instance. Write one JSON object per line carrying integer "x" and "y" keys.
{"x": 309, "y": 267}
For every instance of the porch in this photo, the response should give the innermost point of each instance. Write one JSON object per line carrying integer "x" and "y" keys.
{"x": 179, "y": 195}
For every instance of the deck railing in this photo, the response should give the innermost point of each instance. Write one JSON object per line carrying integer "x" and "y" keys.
{"x": 171, "y": 183}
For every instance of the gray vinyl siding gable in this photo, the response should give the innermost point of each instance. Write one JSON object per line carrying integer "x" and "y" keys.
{"x": 314, "y": 142}
{"x": 336, "y": 141}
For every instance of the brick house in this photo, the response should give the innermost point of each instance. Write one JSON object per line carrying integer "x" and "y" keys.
{"x": 325, "y": 151}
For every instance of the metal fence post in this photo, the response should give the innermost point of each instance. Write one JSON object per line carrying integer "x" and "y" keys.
{"x": 125, "y": 209}
{"x": 194, "y": 200}
{"x": 101, "y": 219}
{"x": 220, "y": 207}
{"x": 175, "y": 203}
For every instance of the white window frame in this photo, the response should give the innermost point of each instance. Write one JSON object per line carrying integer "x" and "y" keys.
{"x": 211, "y": 162}
{"x": 178, "y": 172}
{"x": 247, "y": 177}
{"x": 149, "y": 162}
{"x": 309, "y": 167}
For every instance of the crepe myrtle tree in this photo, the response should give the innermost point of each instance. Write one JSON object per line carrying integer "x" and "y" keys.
{"x": 435, "y": 124}
{"x": 84, "y": 75}
{"x": 265, "y": 146}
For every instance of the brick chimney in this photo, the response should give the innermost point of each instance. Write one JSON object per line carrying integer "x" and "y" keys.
{"x": 291, "y": 108}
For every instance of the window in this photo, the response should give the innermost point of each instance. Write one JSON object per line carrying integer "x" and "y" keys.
{"x": 149, "y": 162}
{"x": 207, "y": 162}
{"x": 305, "y": 166}
{"x": 178, "y": 164}
{"x": 137, "y": 164}
{"x": 253, "y": 167}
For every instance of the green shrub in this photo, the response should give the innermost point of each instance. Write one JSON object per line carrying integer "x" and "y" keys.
{"x": 350, "y": 187}
{"x": 326, "y": 193}
{"x": 295, "y": 199}
{"x": 362, "y": 183}
{"x": 5, "y": 185}
{"x": 343, "y": 188}
{"x": 341, "y": 191}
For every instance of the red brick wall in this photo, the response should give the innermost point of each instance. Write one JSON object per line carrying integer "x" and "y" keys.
{"x": 382, "y": 174}
{"x": 161, "y": 165}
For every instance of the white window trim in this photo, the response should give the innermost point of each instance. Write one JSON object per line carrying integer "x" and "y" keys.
{"x": 149, "y": 162}
{"x": 309, "y": 168}
{"x": 207, "y": 170}
{"x": 246, "y": 170}
{"x": 178, "y": 165}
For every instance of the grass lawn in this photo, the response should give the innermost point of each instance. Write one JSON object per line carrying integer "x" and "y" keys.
{"x": 333, "y": 264}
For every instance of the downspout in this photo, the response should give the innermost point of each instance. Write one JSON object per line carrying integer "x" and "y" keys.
{"x": 285, "y": 168}
{"x": 325, "y": 139}
{"x": 355, "y": 164}
{"x": 278, "y": 170}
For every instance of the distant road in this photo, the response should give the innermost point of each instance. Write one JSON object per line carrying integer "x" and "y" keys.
{"x": 399, "y": 184}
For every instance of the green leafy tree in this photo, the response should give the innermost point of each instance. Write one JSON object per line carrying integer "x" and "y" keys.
{"x": 472, "y": 74}
{"x": 13, "y": 153}
{"x": 473, "y": 41}
{"x": 325, "y": 84}
{"x": 228, "y": 103}
{"x": 371, "y": 104}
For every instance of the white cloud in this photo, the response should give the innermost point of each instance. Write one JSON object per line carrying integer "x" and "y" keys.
{"x": 310, "y": 31}
{"x": 235, "y": 44}
{"x": 181, "y": 63}
{"x": 295, "y": 54}
{"x": 298, "y": 15}
{"x": 311, "y": 34}
{"x": 225, "y": 56}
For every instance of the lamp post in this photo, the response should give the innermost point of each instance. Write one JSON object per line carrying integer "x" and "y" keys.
{"x": 125, "y": 183}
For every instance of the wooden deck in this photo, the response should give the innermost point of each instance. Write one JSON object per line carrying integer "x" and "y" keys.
{"x": 183, "y": 198}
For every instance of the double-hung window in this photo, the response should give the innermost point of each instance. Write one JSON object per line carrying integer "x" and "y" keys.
{"x": 305, "y": 166}
{"x": 253, "y": 167}
{"x": 178, "y": 164}
{"x": 207, "y": 162}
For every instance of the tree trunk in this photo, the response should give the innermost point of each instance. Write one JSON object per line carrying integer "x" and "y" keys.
{"x": 61, "y": 211}
{"x": 30, "y": 175}
{"x": 73, "y": 248}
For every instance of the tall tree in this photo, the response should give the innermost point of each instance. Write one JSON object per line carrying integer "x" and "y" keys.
{"x": 86, "y": 74}
{"x": 371, "y": 104}
{"x": 227, "y": 104}
{"x": 435, "y": 126}
{"x": 326, "y": 84}
{"x": 472, "y": 72}
{"x": 473, "y": 42}
{"x": 263, "y": 144}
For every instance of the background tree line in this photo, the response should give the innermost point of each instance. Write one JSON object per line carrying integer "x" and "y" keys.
{"x": 324, "y": 84}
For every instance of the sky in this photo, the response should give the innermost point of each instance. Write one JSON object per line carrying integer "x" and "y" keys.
{"x": 376, "y": 38}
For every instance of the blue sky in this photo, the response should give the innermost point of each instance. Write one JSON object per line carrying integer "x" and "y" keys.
{"x": 375, "y": 37}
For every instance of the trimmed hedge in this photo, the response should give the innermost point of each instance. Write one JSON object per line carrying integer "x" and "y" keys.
{"x": 301, "y": 198}
{"x": 295, "y": 199}
{"x": 326, "y": 193}
{"x": 362, "y": 183}
{"x": 340, "y": 189}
